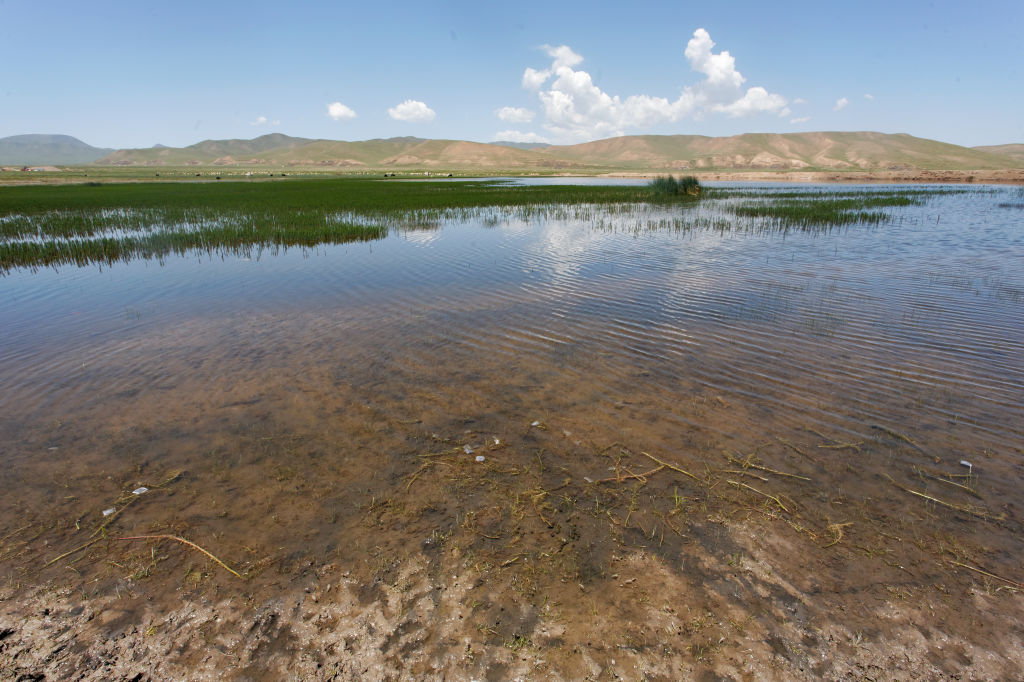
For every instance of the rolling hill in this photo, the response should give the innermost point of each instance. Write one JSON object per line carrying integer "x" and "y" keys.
{"x": 1014, "y": 151}
{"x": 820, "y": 151}
{"x": 791, "y": 151}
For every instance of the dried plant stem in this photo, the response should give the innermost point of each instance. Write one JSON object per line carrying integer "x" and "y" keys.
{"x": 770, "y": 497}
{"x": 792, "y": 447}
{"x": 642, "y": 477}
{"x": 13, "y": 533}
{"x": 670, "y": 466}
{"x": 949, "y": 505}
{"x": 70, "y": 552}
{"x": 990, "y": 575}
{"x": 184, "y": 542}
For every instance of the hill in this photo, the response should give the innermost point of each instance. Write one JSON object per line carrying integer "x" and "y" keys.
{"x": 1014, "y": 151}
{"x": 790, "y": 151}
{"x": 820, "y": 151}
{"x": 47, "y": 150}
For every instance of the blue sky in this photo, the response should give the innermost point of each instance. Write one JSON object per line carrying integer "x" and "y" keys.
{"x": 133, "y": 74}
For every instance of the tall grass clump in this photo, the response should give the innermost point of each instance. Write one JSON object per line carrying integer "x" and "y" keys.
{"x": 669, "y": 186}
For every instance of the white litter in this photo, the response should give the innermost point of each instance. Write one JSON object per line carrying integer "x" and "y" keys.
{"x": 536, "y": 423}
{"x": 497, "y": 442}
{"x": 967, "y": 464}
{"x": 480, "y": 458}
{"x": 140, "y": 490}
{"x": 108, "y": 512}
{"x": 468, "y": 450}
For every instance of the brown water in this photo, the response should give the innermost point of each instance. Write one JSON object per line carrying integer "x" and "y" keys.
{"x": 326, "y": 406}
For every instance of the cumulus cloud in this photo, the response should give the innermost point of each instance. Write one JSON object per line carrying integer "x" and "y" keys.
{"x": 799, "y": 100}
{"x": 575, "y": 108}
{"x": 514, "y": 114}
{"x": 519, "y": 136}
{"x": 339, "y": 112}
{"x": 801, "y": 119}
{"x": 868, "y": 96}
{"x": 411, "y": 111}
{"x": 260, "y": 120}
{"x": 840, "y": 104}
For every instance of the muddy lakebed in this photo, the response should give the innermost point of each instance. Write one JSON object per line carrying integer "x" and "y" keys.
{"x": 594, "y": 442}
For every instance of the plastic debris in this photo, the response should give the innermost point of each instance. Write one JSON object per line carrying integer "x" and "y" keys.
{"x": 108, "y": 512}
{"x": 536, "y": 423}
{"x": 468, "y": 450}
{"x": 588, "y": 479}
{"x": 480, "y": 458}
{"x": 964, "y": 462}
{"x": 140, "y": 490}
{"x": 497, "y": 442}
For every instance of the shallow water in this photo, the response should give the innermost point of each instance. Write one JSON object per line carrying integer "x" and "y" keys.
{"x": 843, "y": 355}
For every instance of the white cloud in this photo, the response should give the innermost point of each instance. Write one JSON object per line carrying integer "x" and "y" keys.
{"x": 799, "y": 100}
{"x": 262, "y": 121}
{"x": 575, "y": 108}
{"x": 339, "y": 112}
{"x": 801, "y": 119}
{"x": 518, "y": 136}
{"x": 840, "y": 104}
{"x": 514, "y": 114}
{"x": 868, "y": 96}
{"x": 411, "y": 111}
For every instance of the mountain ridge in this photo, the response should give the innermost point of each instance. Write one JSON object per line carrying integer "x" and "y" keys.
{"x": 824, "y": 150}
{"x": 41, "y": 149}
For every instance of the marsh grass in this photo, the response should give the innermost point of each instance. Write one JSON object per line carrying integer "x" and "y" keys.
{"x": 50, "y": 226}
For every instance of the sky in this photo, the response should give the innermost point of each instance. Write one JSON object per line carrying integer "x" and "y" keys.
{"x": 134, "y": 74}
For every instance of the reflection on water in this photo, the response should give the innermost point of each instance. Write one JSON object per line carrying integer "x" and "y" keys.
{"x": 689, "y": 342}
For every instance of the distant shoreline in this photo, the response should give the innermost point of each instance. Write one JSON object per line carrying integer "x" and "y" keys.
{"x": 50, "y": 175}
{"x": 979, "y": 177}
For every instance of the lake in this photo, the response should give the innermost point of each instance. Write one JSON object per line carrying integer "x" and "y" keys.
{"x": 638, "y": 375}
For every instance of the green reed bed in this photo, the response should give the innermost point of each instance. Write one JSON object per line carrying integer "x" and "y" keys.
{"x": 53, "y": 225}
{"x": 818, "y": 212}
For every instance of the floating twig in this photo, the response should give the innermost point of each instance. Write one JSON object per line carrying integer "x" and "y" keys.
{"x": 184, "y": 542}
